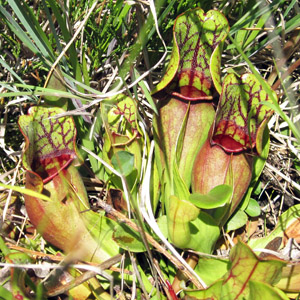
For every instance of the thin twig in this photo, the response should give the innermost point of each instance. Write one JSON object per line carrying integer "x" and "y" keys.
{"x": 123, "y": 219}
{"x": 286, "y": 178}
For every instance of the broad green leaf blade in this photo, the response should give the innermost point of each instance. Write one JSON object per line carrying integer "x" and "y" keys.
{"x": 196, "y": 35}
{"x": 214, "y": 292}
{"x": 245, "y": 268}
{"x": 261, "y": 290}
{"x": 180, "y": 213}
{"x": 253, "y": 208}
{"x": 211, "y": 269}
{"x": 241, "y": 116}
{"x": 217, "y": 197}
{"x": 5, "y": 294}
{"x": 123, "y": 162}
{"x": 205, "y": 232}
{"x": 128, "y": 239}
{"x": 238, "y": 220}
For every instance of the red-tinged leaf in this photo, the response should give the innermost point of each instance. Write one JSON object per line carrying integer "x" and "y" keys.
{"x": 172, "y": 118}
{"x": 122, "y": 132}
{"x": 50, "y": 141}
{"x": 49, "y": 158}
{"x": 196, "y": 36}
{"x": 245, "y": 268}
{"x": 241, "y": 117}
{"x": 17, "y": 281}
{"x": 213, "y": 167}
{"x": 211, "y": 293}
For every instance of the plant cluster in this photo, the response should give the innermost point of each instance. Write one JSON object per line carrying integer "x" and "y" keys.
{"x": 146, "y": 177}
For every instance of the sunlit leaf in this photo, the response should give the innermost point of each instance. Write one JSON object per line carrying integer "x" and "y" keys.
{"x": 290, "y": 279}
{"x": 205, "y": 232}
{"x": 128, "y": 239}
{"x": 261, "y": 290}
{"x": 180, "y": 213}
{"x": 218, "y": 196}
{"x": 253, "y": 208}
{"x": 50, "y": 141}
{"x": 241, "y": 118}
{"x": 123, "y": 162}
{"x": 238, "y": 220}
{"x": 211, "y": 269}
{"x": 245, "y": 268}
{"x": 49, "y": 158}
{"x": 196, "y": 35}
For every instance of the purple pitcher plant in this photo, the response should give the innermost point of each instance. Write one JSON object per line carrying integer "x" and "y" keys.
{"x": 50, "y": 160}
{"x": 207, "y": 131}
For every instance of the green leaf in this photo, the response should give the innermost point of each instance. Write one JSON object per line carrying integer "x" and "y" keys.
{"x": 5, "y": 294}
{"x": 123, "y": 162}
{"x": 56, "y": 82}
{"x": 211, "y": 269}
{"x": 245, "y": 267}
{"x": 241, "y": 117}
{"x": 217, "y": 197}
{"x": 32, "y": 26}
{"x": 238, "y": 220}
{"x": 128, "y": 239}
{"x": 17, "y": 280}
{"x": 205, "y": 232}
{"x": 213, "y": 292}
{"x": 261, "y": 290}
{"x": 25, "y": 191}
{"x": 253, "y": 208}
{"x": 180, "y": 213}
{"x": 196, "y": 35}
